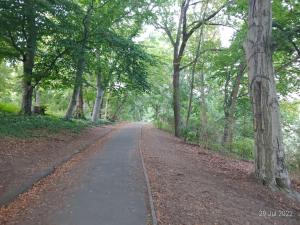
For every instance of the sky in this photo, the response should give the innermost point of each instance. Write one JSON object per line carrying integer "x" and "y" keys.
{"x": 149, "y": 30}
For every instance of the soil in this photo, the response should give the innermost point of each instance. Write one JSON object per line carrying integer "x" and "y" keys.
{"x": 193, "y": 186}
{"x": 190, "y": 186}
{"x": 24, "y": 161}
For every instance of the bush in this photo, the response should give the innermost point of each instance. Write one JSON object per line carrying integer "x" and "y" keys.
{"x": 243, "y": 147}
{"x": 164, "y": 126}
{"x": 9, "y": 108}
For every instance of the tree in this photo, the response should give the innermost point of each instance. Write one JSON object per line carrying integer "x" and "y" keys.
{"x": 99, "y": 98}
{"x": 24, "y": 24}
{"x": 230, "y": 100}
{"x": 80, "y": 61}
{"x": 184, "y": 31}
{"x": 194, "y": 65}
{"x": 269, "y": 150}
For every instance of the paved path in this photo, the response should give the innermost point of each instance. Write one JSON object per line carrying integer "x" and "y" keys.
{"x": 105, "y": 186}
{"x": 113, "y": 192}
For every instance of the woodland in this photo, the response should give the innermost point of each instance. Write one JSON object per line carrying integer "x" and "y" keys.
{"x": 221, "y": 74}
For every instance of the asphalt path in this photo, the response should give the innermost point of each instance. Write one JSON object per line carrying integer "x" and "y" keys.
{"x": 111, "y": 188}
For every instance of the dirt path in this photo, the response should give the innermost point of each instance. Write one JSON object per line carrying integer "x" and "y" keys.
{"x": 104, "y": 185}
{"x": 192, "y": 187}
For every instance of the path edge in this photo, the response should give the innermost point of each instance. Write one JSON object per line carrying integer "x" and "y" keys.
{"x": 6, "y": 201}
{"x": 151, "y": 202}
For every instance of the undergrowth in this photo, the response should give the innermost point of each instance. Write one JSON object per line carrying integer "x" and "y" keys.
{"x": 14, "y": 125}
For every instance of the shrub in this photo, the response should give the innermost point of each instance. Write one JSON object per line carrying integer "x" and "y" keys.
{"x": 243, "y": 147}
{"x": 9, "y": 108}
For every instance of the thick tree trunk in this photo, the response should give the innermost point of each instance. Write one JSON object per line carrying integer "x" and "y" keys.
{"x": 101, "y": 106}
{"x": 76, "y": 88}
{"x": 269, "y": 150}
{"x": 79, "y": 112}
{"x": 80, "y": 65}
{"x": 28, "y": 59}
{"x": 176, "y": 98}
{"x": 27, "y": 90}
{"x": 229, "y": 109}
{"x": 98, "y": 101}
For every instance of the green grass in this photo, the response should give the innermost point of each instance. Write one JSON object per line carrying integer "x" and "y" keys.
{"x": 9, "y": 108}
{"x": 13, "y": 125}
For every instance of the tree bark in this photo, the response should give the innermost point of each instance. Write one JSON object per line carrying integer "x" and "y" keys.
{"x": 98, "y": 101}
{"x": 229, "y": 109}
{"x": 80, "y": 64}
{"x": 37, "y": 96}
{"x": 27, "y": 90}
{"x": 176, "y": 99}
{"x": 106, "y": 105}
{"x": 79, "y": 112}
{"x": 269, "y": 150}
{"x": 203, "y": 118}
{"x": 28, "y": 59}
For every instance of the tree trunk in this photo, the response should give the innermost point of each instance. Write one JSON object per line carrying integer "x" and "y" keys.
{"x": 37, "y": 97}
{"x": 176, "y": 98}
{"x": 228, "y": 131}
{"x": 80, "y": 65}
{"x": 156, "y": 114}
{"x": 77, "y": 84}
{"x": 79, "y": 112}
{"x": 106, "y": 106}
{"x": 203, "y": 119}
{"x": 269, "y": 150}
{"x": 98, "y": 101}
{"x": 102, "y": 105}
{"x": 193, "y": 78}
{"x": 28, "y": 59}
{"x": 26, "y": 96}
{"x": 229, "y": 109}
{"x": 119, "y": 108}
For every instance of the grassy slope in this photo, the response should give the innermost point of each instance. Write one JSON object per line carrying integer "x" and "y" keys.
{"x": 20, "y": 126}
{"x": 14, "y": 125}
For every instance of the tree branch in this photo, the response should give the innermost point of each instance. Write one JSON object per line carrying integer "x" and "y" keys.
{"x": 209, "y": 17}
{"x": 200, "y": 53}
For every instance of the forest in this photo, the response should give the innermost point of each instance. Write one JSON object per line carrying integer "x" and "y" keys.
{"x": 223, "y": 74}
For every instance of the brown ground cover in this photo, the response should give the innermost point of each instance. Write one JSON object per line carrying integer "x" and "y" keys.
{"x": 192, "y": 186}
{"x": 24, "y": 161}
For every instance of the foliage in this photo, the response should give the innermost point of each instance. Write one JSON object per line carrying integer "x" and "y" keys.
{"x": 9, "y": 108}
{"x": 136, "y": 75}
{"x": 36, "y": 126}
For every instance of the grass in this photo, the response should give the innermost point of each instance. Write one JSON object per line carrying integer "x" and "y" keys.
{"x": 12, "y": 125}
{"x": 9, "y": 108}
